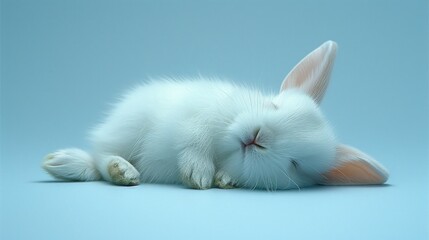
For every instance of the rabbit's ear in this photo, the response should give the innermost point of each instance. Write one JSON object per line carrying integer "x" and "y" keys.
{"x": 354, "y": 167}
{"x": 313, "y": 72}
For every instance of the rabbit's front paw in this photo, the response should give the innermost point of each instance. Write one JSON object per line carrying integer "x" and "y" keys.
{"x": 198, "y": 175}
{"x": 223, "y": 180}
{"x": 122, "y": 172}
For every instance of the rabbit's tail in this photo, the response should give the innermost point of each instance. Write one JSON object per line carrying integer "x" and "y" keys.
{"x": 72, "y": 165}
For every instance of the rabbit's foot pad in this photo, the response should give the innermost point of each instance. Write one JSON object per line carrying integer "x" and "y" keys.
{"x": 123, "y": 173}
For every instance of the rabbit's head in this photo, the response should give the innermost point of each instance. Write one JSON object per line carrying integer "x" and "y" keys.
{"x": 285, "y": 141}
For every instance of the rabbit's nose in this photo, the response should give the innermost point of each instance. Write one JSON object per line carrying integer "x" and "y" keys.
{"x": 253, "y": 140}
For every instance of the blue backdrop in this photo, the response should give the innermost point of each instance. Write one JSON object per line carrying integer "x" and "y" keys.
{"x": 63, "y": 62}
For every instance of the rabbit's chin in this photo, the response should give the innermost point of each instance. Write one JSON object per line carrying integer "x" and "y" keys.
{"x": 267, "y": 174}
{"x": 255, "y": 168}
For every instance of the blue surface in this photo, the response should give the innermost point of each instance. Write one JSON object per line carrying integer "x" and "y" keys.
{"x": 63, "y": 62}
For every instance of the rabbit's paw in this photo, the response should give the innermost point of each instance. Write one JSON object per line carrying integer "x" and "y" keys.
{"x": 198, "y": 175}
{"x": 71, "y": 164}
{"x": 223, "y": 180}
{"x": 122, "y": 172}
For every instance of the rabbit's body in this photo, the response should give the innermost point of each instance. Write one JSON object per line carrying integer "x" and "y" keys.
{"x": 205, "y": 132}
{"x": 152, "y": 135}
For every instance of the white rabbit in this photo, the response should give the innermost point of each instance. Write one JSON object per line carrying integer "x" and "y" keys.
{"x": 206, "y": 132}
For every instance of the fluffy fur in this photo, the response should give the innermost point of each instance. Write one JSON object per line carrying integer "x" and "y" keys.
{"x": 205, "y": 133}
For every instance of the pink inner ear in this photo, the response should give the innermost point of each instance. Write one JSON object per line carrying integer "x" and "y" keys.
{"x": 312, "y": 73}
{"x": 353, "y": 172}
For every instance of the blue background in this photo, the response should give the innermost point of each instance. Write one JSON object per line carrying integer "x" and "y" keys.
{"x": 63, "y": 62}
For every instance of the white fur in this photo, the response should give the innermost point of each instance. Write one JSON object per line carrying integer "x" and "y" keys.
{"x": 205, "y": 132}
{"x": 186, "y": 131}
{"x": 71, "y": 164}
